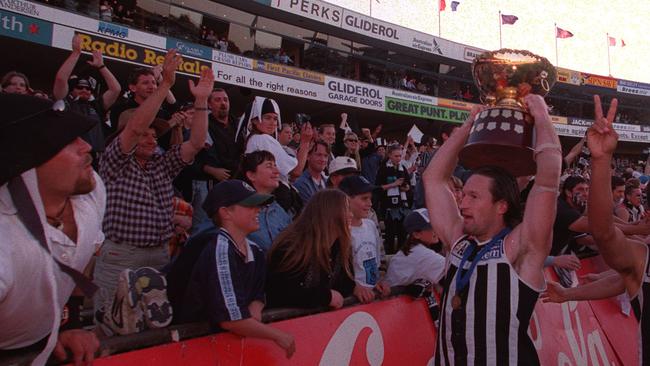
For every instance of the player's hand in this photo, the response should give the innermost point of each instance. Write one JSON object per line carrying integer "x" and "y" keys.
{"x": 601, "y": 137}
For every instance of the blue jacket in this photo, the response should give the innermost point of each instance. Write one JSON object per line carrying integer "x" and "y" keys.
{"x": 306, "y": 186}
{"x": 273, "y": 219}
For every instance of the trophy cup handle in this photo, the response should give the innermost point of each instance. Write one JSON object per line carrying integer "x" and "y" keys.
{"x": 545, "y": 85}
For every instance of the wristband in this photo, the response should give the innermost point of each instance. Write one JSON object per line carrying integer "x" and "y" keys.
{"x": 101, "y": 67}
{"x": 71, "y": 318}
{"x": 549, "y": 146}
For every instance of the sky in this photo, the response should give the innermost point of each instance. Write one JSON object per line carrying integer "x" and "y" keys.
{"x": 476, "y": 23}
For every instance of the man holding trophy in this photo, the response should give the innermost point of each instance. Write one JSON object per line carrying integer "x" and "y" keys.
{"x": 496, "y": 259}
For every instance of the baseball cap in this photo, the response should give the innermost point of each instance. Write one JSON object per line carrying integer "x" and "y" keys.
{"x": 417, "y": 220}
{"x": 233, "y": 192}
{"x": 355, "y": 185}
{"x": 343, "y": 165}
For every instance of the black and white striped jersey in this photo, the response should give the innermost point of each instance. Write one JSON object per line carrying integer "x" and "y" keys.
{"x": 491, "y": 325}
{"x": 641, "y": 306}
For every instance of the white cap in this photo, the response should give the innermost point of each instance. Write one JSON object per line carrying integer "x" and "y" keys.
{"x": 341, "y": 163}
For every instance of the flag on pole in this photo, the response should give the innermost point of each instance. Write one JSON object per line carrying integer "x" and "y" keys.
{"x": 622, "y": 42}
{"x": 562, "y": 33}
{"x": 442, "y": 5}
{"x": 454, "y": 5}
{"x": 612, "y": 41}
{"x": 508, "y": 19}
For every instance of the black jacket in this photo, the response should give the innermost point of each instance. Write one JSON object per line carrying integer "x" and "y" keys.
{"x": 307, "y": 289}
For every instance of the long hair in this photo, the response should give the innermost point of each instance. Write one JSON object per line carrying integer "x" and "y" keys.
{"x": 308, "y": 240}
{"x": 504, "y": 187}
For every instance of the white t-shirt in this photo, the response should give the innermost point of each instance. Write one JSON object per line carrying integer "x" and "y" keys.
{"x": 29, "y": 278}
{"x": 422, "y": 263}
{"x": 285, "y": 162}
{"x": 366, "y": 253}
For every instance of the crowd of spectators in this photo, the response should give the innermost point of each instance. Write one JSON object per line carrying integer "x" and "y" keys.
{"x": 183, "y": 180}
{"x": 206, "y": 216}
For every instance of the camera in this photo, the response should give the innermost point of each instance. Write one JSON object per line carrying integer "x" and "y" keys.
{"x": 301, "y": 119}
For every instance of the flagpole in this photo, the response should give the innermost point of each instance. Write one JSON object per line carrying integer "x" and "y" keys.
{"x": 556, "y": 58}
{"x": 609, "y": 62}
{"x": 439, "y": 27}
{"x": 500, "y": 39}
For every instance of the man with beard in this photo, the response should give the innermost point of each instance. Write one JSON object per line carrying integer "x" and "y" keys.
{"x": 495, "y": 261}
{"x": 219, "y": 160}
{"x": 51, "y": 209}
{"x": 78, "y": 93}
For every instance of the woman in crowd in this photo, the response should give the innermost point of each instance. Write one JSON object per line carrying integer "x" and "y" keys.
{"x": 310, "y": 263}
{"x": 394, "y": 180}
{"x": 15, "y": 82}
{"x": 351, "y": 142}
{"x": 260, "y": 123}
{"x": 259, "y": 170}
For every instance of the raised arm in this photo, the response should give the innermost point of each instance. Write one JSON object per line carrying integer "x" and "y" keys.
{"x": 199, "y": 130}
{"x": 141, "y": 119}
{"x": 60, "y": 88}
{"x": 574, "y": 152}
{"x": 113, "y": 92}
{"x": 624, "y": 256}
{"x": 539, "y": 216}
{"x": 306, "y": 137}
{"x": 443, "y": 210}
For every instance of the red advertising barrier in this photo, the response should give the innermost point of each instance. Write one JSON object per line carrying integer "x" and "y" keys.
{"x": 399, "y": 331}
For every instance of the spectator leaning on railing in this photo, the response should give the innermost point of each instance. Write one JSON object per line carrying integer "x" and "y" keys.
{"x": 138, "y": 222}
{"x": 51, "y": 209}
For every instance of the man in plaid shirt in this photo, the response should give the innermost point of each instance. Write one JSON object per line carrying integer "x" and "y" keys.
{"x": 139, "y": 211}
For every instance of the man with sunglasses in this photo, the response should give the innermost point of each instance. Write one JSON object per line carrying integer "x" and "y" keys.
{"x": 78, "y": 94}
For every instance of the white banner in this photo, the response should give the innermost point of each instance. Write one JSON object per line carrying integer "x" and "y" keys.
{"x": 377, "y": 29}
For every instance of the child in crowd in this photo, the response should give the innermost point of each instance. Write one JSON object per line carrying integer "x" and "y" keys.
{"x": 416, "y": 260}
{"x": 366, "y": 241}
{"x": 310, "y": 263}
{"x": 227, "y": 283}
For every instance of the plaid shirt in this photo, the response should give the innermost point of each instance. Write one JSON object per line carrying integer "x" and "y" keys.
{"x": 139, "y": 206}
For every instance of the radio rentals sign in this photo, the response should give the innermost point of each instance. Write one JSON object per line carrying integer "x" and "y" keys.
{"x": 136, "y": 54}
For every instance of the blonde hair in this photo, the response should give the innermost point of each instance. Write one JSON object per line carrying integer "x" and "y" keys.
{"x": 308, "y": 240}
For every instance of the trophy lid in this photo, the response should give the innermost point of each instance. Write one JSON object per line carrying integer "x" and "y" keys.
{"x": 508, "y": 73}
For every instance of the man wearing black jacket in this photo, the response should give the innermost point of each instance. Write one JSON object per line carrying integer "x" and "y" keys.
{"x": 219, "y": 160}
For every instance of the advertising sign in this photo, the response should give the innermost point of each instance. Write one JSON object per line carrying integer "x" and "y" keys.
{"x": 600, "y": 81}
{"x": 25, "y": 28}
{"x": 633, "y": 87}
{"x": 136, "y": 54}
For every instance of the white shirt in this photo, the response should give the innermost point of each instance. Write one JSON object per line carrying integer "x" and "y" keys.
{"x": 284, "y": 161}
{"x": 422, "y": 263}
{"x": 33, "y": 290}
{"x": 366, "y": 253}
